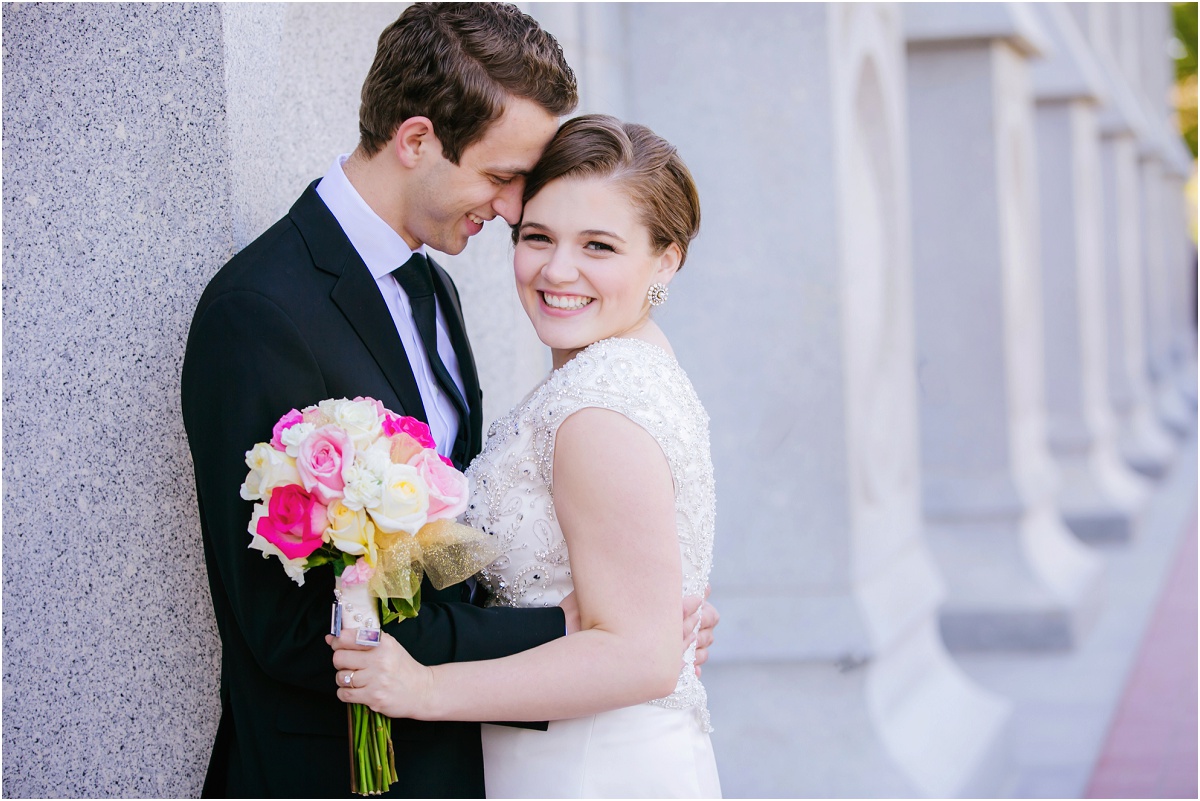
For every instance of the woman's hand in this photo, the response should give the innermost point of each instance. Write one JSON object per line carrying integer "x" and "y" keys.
{"x": 383, "y": 677}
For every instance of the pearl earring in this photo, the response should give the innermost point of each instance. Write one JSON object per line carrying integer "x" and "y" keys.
{"x": 657, "y": 294}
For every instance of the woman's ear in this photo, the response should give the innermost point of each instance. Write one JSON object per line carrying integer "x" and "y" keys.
{"x": 668, "y": 264}
{"x": 413, "y": 139}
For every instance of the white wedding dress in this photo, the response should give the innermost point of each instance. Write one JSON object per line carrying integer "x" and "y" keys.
{"x": 656, "y": 750}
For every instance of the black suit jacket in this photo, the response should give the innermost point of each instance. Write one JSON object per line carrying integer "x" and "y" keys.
{"x": 291, "y": 320}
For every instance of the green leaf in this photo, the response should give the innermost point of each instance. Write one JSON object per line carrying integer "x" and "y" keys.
{"x": 316, "y": 559}
{"x": 404, "y": 608}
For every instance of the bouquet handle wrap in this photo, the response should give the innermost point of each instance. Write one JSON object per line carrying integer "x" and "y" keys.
{"x": 361, "y": 605}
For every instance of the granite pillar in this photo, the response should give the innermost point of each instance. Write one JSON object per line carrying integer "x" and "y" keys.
{"x": 793, "y": 316}
{"x": 1016, "y": 576}
{"x": 116, "y": 209}
{"x": 1100, "y": 496}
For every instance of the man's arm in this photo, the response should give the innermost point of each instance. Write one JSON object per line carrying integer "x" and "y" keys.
{"x": 247, "y": 364}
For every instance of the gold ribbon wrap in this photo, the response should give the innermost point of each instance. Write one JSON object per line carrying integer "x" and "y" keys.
{"x": 444, "y": 550}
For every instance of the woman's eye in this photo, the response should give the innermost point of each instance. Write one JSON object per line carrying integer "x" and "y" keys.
{"x": 599, "y": 246}
{"x": 534, "y": 238}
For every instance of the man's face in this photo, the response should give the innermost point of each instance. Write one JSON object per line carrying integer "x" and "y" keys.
{"x": 452, "y": 201}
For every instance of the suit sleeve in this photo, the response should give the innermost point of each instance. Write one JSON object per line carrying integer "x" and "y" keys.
{"x": 247, "y": 363}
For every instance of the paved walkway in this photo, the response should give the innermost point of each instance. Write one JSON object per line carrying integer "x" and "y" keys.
{"x": 1151, "y": 748}
{"x": 1093, "y": 719}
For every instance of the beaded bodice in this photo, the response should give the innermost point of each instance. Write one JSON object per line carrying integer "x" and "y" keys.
{"x": 511, "y": 479}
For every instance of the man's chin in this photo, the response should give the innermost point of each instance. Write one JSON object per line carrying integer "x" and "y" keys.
{"x": 450, "y": 248}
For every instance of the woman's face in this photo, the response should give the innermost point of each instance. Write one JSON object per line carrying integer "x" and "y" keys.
{"x": 583, "y": 264}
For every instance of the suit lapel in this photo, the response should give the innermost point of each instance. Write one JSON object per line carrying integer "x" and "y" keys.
{"x": 357, "y": 296}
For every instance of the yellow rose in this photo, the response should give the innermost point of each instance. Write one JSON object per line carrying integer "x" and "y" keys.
{"x": 350, "y": 531}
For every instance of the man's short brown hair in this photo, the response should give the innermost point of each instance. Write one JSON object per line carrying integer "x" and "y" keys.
{"x": 457, "y": 63}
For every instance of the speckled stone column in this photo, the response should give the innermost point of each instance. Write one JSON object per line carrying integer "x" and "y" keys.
{"x": 116, "y": 211}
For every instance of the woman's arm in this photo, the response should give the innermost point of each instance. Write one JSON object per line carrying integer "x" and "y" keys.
{"x": 614, "y": 498}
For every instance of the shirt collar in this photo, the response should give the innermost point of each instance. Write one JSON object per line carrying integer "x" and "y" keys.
{"x": 381, "y": 248}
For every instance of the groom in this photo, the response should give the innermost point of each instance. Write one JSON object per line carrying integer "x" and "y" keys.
{"x": 337, "y": 300}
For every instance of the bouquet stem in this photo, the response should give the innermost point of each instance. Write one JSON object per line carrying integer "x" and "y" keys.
{"x": 372, "y": 756}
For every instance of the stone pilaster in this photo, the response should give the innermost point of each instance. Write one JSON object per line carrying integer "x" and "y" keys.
{"x": 1100, "y": 496}
{"x": 1016, "y": 576}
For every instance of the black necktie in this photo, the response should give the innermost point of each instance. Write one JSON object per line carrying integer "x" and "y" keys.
{"x": 416, "y": 279}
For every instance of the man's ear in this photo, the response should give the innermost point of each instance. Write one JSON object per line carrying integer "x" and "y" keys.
{"x": 413, "y": 141}
{"x": 668, "y": 264}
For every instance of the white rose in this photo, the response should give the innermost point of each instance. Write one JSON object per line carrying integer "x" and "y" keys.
{"x": 364, "y": 487}
{"x": 293, "y": 436}
{"x": 377, "y": 457}
{"x": 404, "y": 503}
{"x": 268, "y": 469}
{"x": 359, "y": 419}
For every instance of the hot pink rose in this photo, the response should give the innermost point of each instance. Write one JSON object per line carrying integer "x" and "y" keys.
{"x": 295, "y": 522}
{"x": 394, "y": 424}
{"x": 287, "y": 421}
{"x": 447, "y": 486}
{"x": 323, "y": 456}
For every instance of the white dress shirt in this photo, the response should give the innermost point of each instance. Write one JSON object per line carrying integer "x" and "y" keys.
{"x": 383, "y": 250}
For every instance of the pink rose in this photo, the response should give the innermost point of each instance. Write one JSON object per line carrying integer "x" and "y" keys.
{"x": 359, "y": 572}
{"x": 447, "y": 461}
{"x": 322, "y": 458}
{"x": 394, "y": 424}
{"x": 447, "y": 486}
{"x": 295, "y": 522}
{"x": 287, "y": 421}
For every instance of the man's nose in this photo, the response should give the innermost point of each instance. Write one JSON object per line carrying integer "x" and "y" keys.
{"x": 508, "y": 202}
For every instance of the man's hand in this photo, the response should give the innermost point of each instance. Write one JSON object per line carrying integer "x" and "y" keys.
{"x": 570, "y": 609}
{"x": 699, "y": 619}
{"x": 709, "y": 618}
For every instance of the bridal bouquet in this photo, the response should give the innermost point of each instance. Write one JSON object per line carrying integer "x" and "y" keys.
{"x": 349, "y": 483}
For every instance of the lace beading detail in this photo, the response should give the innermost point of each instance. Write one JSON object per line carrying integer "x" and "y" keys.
{"x": 511, "y": 479}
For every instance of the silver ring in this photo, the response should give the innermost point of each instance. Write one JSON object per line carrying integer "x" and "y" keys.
{"x": 350, "y": 679}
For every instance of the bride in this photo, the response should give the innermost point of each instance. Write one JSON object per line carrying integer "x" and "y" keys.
{"x": 599, "y": 483}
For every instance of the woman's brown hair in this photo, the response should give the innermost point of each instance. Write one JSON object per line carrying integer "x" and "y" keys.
{"x": 644, "y": 164}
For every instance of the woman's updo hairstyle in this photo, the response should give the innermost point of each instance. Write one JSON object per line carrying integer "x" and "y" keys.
{"x": 644, "y": 164}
